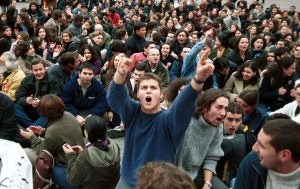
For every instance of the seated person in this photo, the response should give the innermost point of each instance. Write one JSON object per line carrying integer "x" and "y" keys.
{"x": 62, "y": 128}
{"x": 275, "y": 160}
{"x": 11, "y": 75}
{"x": 245, "y": 78}
{"x": 8, "y": 121}
{"x": 32, "y": 89}
{"x": 65, "y": 69}
{"x": 291, "y": 109}
{"x": 154, "y": 65}
{"x": 86, "y": 171}
{"x": 26, "y": 54}
{"x": 236, "y": 143}
{"x": 84, "y": 95}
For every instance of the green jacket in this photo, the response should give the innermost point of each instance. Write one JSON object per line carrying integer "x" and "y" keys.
{"x": 95, "y": 168}
{"x": 58, "y": 132}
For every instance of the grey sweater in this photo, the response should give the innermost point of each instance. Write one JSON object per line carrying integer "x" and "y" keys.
{"x": 201, "y": 145}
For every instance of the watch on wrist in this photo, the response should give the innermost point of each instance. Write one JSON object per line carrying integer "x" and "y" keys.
{"x": 208, "y": 183}
{"x": 198, "y": 81}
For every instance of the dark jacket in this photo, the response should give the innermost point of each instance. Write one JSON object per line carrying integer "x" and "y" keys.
{"x": 95, "y": 168}
{"x": 94, "y": 101}
{"x": 255, "y": 121}
{"x": 8, "y": 121}
{"x": 160, "y": 71}
{"x": 235, "y": 57}
{"x": 48, "y": 85}
{"x": 251, "y": 174}
{"x": 135, "y": 43}
{"x": 60, "y": 75}
{"x": 269, "y": 95}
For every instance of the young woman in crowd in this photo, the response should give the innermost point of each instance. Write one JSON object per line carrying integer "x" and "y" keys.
{"x": 165, "y": 55}
{"x": 257, "y": 51}
{"x": 98, "y": 165}
{"x": 277, "y": 83}
{"x": 62, "y": 128}
{"x": 91, "y": 56}
{"x": 253, "y": 118}
{"x": 181, "y": 40}
{"x": 245, "y": 78}
{"x": 241, "y": 51}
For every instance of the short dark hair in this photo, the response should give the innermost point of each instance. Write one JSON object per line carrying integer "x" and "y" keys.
{"x": 207, "y": 98}
{"x": 284, "y": 135}
{"x": 38, "y": 61}
{"x": 22, "y": 48}
{"x": 51, "y": 107}
{"x": 139, "y": 25}
{"x": 235, "y": 108}
{"x": 85, "y": 65}
{"x": 163, "y": 175}
{"x": 68, "y": 58}
{"x": 56, "y": 14}
{"x": 141, "y": 67}
{"x": 220, "y": 63}
{"x": 148, "y": 76}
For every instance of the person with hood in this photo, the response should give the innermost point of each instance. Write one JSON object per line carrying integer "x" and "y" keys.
{"x": 98, "y": 165}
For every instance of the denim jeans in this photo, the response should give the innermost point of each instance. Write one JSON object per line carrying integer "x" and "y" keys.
{"x": 59, "y": 177}
{"x": 31, "y": 117}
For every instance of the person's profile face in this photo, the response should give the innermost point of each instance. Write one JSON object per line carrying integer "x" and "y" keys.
{"x": 266, "y": 152}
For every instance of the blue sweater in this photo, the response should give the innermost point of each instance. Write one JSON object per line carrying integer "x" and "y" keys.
{"x": 94, "y": 101}
{"x": 150, "y": 137}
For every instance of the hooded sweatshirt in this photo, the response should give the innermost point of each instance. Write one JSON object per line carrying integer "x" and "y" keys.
{"x": 95, "y": 168}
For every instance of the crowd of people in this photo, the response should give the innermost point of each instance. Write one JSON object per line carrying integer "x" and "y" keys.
{"x": 206, "y": 93}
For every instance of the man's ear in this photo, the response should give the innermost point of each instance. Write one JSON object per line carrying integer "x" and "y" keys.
{"x": 285, "y": 155}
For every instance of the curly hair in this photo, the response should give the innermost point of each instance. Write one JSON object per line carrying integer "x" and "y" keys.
{"x": 163, "y": 175}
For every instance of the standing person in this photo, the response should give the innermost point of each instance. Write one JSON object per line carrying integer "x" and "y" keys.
{"x": 98, "y": 165}
{"x": 151, "y": 134}
{"x": 275, "y": 162}
{"x": 135, "y": 42}
{"x": 204, "y": 136}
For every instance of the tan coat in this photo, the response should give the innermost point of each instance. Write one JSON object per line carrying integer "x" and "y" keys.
{"x": 12, "y": 82}
{"x": 234, "y": 87}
